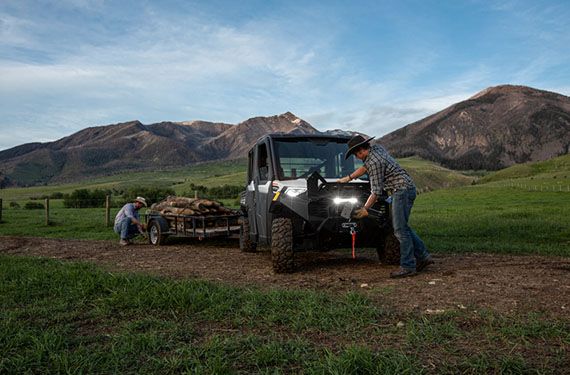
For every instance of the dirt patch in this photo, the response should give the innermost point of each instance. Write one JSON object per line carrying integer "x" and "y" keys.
{"x": 503, "y": 283}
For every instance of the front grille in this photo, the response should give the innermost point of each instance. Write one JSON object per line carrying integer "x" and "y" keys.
{"x": 320, "y": 208}
{"x": 321, "y": 205}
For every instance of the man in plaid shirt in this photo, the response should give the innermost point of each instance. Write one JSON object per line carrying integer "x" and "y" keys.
{"x": 386, "y": 175}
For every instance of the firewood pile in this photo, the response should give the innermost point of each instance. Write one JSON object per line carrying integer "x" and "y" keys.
{"x": 191, "y": 206}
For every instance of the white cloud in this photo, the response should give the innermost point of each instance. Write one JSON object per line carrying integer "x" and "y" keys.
{"x": 13, "y": 31}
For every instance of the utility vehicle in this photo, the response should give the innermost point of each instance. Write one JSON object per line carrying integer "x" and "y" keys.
{"x": 292, "y": 201}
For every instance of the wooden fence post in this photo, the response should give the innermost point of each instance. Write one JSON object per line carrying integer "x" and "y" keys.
{"x": 0, "y": 210}
{"x": 107, "y": 210}
{"x": 47, "y": 211}
{"x": 196, "y": 194}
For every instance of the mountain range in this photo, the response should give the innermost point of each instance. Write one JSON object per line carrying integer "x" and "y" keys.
{"x": 498, "y": 127}
{"x": 495, "y": 128}
{"x": 133, "y": 146}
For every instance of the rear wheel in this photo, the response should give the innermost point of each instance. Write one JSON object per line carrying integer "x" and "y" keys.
{"x": 282, "y": 245}
{"x": 155, "y": 235}
{"x": 245, "y": 243}
{"x": 389, "y": 249}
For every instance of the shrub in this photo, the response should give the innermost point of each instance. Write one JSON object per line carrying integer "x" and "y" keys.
{"x": 152, "y": 195}
{"x": 34, "y": 206}
{"x": 14, "y": 205}
{"x": 57, "y": 195}
{"x": 84, "y": 198}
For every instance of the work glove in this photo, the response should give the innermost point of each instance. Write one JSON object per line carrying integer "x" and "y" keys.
{"x": 361, "y": 213}
{"x": 343, "y": 180}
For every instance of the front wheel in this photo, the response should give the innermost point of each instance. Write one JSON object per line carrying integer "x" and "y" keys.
{"x": 389, "y": 249}
{"x": 155, "y": 235}
{"x": 282, "y": 245}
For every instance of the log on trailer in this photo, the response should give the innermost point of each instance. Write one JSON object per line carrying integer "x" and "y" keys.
{"x": 191, "y": 206}
{"x": 190, "y": 217}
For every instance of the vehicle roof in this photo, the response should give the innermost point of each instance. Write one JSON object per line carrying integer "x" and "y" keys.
{"x": 304, "y": 136}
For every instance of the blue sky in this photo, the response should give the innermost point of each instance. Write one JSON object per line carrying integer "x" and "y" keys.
{"x": 368, "y": 66}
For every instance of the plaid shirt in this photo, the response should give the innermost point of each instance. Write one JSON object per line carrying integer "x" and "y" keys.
{"x": 385, "y": 173}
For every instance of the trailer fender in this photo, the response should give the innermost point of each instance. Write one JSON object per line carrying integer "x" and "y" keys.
{"x": 161, "y": 221}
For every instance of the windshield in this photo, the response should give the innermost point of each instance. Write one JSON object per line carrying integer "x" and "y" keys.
{"x": 299, "y": 159}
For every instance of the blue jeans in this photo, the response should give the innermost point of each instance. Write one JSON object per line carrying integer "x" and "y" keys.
{"x": 412, "y": 247}
{"x": 126, "y": 229}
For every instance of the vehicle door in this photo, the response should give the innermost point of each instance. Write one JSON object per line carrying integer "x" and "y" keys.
{"x": 251, "y": 194}
{"x": 263, "y": 177}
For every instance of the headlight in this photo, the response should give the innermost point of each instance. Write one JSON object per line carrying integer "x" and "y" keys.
{"x": 339, "y": 200}
{"x": 294, "y": 192}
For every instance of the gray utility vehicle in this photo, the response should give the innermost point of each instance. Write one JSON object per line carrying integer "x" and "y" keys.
{"x": 292, "y": 201}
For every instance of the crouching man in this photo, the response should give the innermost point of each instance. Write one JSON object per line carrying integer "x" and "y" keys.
{"x": 127, "y": 221}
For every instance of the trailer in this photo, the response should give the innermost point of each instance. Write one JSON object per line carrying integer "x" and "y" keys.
{"x": 160, "y": 226}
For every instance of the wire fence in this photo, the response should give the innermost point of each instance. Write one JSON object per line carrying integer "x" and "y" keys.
{"x": 537, "y": 186}
{"x": 16, "y": 208}
{"x": 100, "y": 208}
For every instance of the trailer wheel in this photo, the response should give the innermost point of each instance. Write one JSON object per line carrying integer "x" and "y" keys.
{"x": 155, "y": 236}
{"x": 389, "y": 249}
{"x": 282, "y": 245}
{"x": 245, "y": 243}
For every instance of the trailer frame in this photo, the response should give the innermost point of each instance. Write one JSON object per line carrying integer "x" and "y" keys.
{"x": 161, "y": 226}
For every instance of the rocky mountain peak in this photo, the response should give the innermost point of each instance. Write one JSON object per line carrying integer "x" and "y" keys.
{"x": 495, "y": 128}
{"x": 514, "y": 91}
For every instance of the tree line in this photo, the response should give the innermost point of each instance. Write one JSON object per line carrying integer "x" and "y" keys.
{"x": 94, "y": 198}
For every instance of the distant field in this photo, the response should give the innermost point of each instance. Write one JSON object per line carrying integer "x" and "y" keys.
{"x": 486, "y": 217}
{"x": 493, "y": 219}
{"x": 208, "y": 174}
{"x": 553, "y": 172}
{"x": 428, "y": 176}
{"x": 81, "y": 223}
{"x": 478, "y": 218}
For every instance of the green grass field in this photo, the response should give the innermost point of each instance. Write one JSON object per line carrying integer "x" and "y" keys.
{"x": 477, "y": 218}
{"x": 61, "y": 317}
{"x": 495, "y": 220}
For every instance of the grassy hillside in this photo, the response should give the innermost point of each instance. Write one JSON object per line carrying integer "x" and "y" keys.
{"x": 431, "y": 176}
{"x": 428, "y": 176}
{"x": 553, "y": 171}
{"x": 208, "y": 174}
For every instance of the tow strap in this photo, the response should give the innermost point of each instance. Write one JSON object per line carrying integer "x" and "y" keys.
{"x": 353, "y": 234}
{"x": 352, "y": 229}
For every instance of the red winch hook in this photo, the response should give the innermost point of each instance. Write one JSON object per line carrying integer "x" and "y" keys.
{"x": 353, "y": 234}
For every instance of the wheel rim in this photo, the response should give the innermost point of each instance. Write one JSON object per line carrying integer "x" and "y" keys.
{"x": 153, "y": 234}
